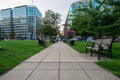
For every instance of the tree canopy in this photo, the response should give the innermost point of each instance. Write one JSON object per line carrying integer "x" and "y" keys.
{"x": 51, "y": 23}
{"x": 102, "y": 19}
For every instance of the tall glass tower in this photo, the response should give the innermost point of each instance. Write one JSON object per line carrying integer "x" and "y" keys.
{"x": 6, "y": 21}
{"x": 24, "y": 21}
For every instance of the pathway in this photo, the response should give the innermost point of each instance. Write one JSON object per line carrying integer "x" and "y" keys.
{"x": 59, "y": 62}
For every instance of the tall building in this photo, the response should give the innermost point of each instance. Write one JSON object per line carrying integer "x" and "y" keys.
{"x": 23, "y": 21}
{"x": 74, "y": 6}
{"x": 6, "y": 21}
{"x": 71, "y": 14}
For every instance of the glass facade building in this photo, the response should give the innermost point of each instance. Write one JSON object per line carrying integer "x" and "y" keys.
{"x": 25, "y": 20}
{"x": 76, "y": 5}
{"x": 6, "y": 21}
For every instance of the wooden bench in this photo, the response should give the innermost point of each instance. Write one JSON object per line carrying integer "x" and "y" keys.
{"x": 107, "y": 46}
{"x": 95, "y": 45}
{"x": 41, "y": 43}
{"x": 99, "y": 46}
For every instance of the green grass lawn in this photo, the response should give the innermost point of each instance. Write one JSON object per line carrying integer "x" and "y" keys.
{"x": 111, "y": 65}
{"x": 79, "y": 46}
{"x": 15, "y": 51}
{"x": 114, "y": 64}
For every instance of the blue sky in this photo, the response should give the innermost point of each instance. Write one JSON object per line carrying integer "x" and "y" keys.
{"x": 60, "y": 6}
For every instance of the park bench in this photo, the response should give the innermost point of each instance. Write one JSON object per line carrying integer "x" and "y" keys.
{"x": 41, "y": 43}
{"x": 53, "y": 39}
{"x": 100, "y": 45}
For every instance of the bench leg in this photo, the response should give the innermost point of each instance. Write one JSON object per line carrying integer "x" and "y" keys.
{"x": 91, "y": 52}
{"x": 110, "y": 54}
{"x": 99, "y": 54}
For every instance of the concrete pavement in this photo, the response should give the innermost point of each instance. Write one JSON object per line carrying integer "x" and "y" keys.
{"x": 59, "y": 62}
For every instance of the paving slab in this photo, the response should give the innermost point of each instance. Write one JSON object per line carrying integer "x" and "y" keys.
{"x": 101, "y": 75}
{"x": 53, "y": 56}
{"x": 27, "y": 66}
{"x": 73, "y": 75}
{"x": 65, "y": 55}
{"x": 80, "y": 57}
{"x": 87, "y": 65}
{"x": 41, "y": 55}
{"x": 16, "y": 75}
{"x": 48, "y": 66}
{"x": 44, "y": 75}
{"x": 69, "y": 65}
{"x": 38, "y": 57}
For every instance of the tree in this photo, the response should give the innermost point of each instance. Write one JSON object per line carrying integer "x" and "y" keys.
{"x": 113, "y": 26}
{"x": 12, "y": 35}
{"x": 86, "y": 18}
{"x": 50, "y": 23}
{"x": 99, "y": 20}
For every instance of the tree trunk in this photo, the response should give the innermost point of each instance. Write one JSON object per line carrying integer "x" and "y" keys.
{"x": 50, "y": 38}
{"x": 99, "y": 35}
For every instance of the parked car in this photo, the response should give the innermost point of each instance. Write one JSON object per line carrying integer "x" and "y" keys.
{"x": 90, "y": 39}
{"x": 75, "y": 39}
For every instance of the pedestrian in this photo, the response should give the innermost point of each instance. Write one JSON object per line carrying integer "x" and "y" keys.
{"x": 41, "y": 40}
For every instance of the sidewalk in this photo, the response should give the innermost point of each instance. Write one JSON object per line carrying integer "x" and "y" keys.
{"x": 59, "y": 62}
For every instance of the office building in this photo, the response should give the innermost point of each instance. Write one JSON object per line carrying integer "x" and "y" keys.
{"x": 23, "y": 21}
{"x": 6, "y": 21}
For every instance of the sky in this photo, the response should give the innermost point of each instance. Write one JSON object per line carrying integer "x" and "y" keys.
{"x": 60, "y": 6}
